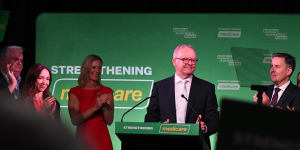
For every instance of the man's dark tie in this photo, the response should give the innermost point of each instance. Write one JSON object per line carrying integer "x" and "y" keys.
{"x": 275, "y": 97}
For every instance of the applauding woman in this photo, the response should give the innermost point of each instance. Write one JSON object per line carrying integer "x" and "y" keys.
{"x": 91, "y": 106}
{"x": 36, "y": 91}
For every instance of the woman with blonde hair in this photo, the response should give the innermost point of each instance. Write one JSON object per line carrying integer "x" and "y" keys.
{"x": 91, "y": 106}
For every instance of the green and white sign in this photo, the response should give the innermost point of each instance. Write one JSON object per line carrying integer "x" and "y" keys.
{"x": 137, "y": 50}
{"x": 157, "y": 128}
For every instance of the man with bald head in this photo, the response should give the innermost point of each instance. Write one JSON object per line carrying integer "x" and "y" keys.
{"x": 184, "y": 98}
{"x": 10, "y": 70}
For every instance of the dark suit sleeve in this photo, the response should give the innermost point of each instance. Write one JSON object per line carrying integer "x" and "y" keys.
{"x": 153, "y": 110}
{"x": 297, "y": 105}
{"x": 211, "y": 111}
{"x": 5, "y": 94}
{"x": 296, "y": 100}
{"x": 290, "y": 97}
{"x": 4, "y": 91}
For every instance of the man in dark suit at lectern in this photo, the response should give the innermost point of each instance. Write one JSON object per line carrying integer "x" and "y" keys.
{"x": 283, "y": 94}
{"x": 184, "y": 98}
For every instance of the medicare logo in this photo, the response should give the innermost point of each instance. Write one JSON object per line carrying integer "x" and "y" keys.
{"x": 229, "y": 33}
{"x": 276, "y": 34}
{"x": 185, "y": 32}
{"x": 174, "y": 128}
{"x": 228, "y": 85}
{"x": 127, "y": 92}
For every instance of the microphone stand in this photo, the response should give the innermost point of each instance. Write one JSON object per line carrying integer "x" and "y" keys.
{"x": 135, "y": 106}
{"x": 194, "y": 112}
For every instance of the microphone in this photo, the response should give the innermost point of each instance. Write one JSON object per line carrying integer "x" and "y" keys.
{"x": 135, "y": 106}
{"x": 193, "y": 110}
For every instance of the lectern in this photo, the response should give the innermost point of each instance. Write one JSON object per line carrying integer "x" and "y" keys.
{"x": 159, "y": 136}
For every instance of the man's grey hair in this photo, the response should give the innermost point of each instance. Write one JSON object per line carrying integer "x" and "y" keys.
{"x": 180, "y": 47}
{"x": 6, "y": 49}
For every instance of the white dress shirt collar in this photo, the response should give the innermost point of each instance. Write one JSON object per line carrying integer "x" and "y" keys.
{"x": 284, "y": 86}
{"x": 178, "y": 79}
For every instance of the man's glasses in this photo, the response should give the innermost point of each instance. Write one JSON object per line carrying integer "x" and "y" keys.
{"x": 187, "y": 60}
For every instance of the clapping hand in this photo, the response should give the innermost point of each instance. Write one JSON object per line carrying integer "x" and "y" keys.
{"x": 290, "y": 108}
{"x": 101, "y": 100}
{"x": 287, "y": 108}
{"x": 50, "y": 104}
{"x": 11, "y": 78}
{"x": 265, "y": 99}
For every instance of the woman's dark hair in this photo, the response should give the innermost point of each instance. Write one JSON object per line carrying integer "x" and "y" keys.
{"x": 30, "y": 79}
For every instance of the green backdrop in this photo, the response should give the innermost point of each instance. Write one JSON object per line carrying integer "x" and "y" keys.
{"x": 4, "y": 15}
{"x": 137, "y": 51}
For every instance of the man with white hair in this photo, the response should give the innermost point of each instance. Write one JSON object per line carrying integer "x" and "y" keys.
{"x": 184, "y": 98}
{"x": 10, "y": 70}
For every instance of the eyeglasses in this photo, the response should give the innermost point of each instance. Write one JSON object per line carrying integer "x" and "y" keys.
{"x": 187, "y": 60}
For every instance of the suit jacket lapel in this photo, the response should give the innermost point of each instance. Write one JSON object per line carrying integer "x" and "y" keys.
{"x": 3, "y": 82}
{"x": 285, "y": 95}
{"x": 171, "y": 99}
{"x": 269, "y": 91}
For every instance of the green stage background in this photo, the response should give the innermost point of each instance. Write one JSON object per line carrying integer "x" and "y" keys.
{"x": 4, "y": 15}
{"x": 137, "y": 51}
